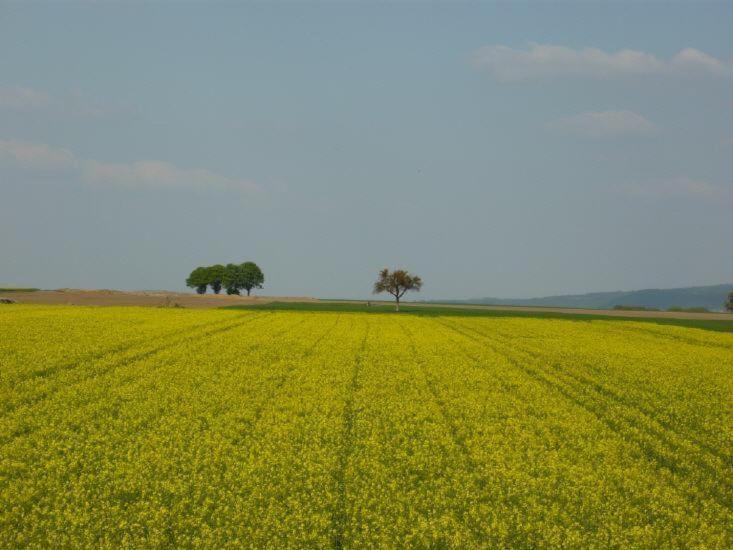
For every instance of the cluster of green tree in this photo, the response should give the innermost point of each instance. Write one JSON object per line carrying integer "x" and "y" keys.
{"x": 232, "y": 277}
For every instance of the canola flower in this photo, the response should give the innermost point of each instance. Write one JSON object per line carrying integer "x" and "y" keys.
{"x": 132, "y": 427}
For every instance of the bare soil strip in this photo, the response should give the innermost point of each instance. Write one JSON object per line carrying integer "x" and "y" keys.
{"x": 78, "y": 297}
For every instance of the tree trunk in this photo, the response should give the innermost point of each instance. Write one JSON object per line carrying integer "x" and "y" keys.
{"x": 397, "y": 299}
{"x": 248, "y": 291}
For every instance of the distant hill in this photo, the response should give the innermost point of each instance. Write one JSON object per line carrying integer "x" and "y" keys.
{"x": 710, "y": 297}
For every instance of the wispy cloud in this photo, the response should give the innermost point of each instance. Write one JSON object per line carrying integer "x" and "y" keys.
{"x": 37, "y": 156}
{"x": 546, "y": 60}
{"x": 157, "y": 173}
{"x": 681, "y": 187}
{"x": 20, "y": 98}
{"x": 40, "y": 158}
{"x": 75, "y": 103}
{"x": 604, "y": 124}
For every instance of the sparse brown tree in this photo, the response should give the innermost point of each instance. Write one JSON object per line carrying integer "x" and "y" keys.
{"x": 729, "y": 305}
{"x": 397, "y": 283}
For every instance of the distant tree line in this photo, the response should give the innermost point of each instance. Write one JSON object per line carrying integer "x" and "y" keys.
{"x": 234, "y": 278}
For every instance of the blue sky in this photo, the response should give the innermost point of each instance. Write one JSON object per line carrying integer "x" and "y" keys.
{"x": 495, "y": 149}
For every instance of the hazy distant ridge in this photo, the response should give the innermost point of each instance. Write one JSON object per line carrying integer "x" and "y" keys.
{"x": 710, "y": 297}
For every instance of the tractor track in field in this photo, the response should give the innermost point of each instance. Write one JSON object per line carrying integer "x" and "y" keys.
{"x": 608, "y": 392}
{"x": 650, "y": 333}
{"x": 339, "y": 516}
{"x": 282, "y": 379}
{"x": 615, "y": 390}
{"x": 170, "y": 339}
{"x": 452, "y": 426}
{"x": 146, "y": 423}
{"x": 24, "y": 431}
{"x": 114, "y": 350}
{"x": 662, "y": 459}
{"x": 261, "y": 407}
{"x": 150, "y": 420}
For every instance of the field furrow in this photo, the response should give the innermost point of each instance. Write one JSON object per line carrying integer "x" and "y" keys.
{"x": 612, "y": 456}
{"x": 339, "y": 515}
{"x": 674, "y": 403}
{"x": 39, "y": 385}
{"x": 638, "y": 412}
{"x": 684, "y": 469}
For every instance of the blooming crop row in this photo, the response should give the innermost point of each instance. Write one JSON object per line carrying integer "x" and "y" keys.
{"x": 129, "y": 427}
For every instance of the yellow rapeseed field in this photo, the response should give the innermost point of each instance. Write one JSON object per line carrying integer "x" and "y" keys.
{"x": 132, "y": 427}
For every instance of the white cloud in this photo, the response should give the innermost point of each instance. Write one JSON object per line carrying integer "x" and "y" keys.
{"x": 681, "y": 187}
{"x": 156, "y": 173}
{"x": 19, "y": 98}
{"x": 691, "y": 61}
{"x": 37, "y": 156}
{"x": 604, "y": 124}
{"x": 40, "y": 158}
{"x": 545, "y": 60}
{"x": 74, "y": 103}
